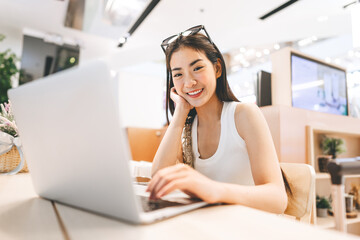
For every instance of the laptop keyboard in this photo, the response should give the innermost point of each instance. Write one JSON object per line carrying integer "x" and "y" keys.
{"x": 151, "y": 205}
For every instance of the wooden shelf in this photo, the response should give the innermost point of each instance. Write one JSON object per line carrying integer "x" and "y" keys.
{"x": 323, "y": 181}
{"x": 329, "y": 222}
{"x": 322, "y": 175}
{"x": 327, "y": 176}
{"x": 323, "y": 130}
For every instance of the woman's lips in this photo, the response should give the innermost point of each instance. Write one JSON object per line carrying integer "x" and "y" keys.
{"x": 195, "y": 93}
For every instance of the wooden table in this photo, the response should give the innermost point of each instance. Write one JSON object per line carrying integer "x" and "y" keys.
{"x": 25, "y": 216}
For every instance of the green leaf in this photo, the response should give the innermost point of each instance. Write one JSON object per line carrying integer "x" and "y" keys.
{"x": 8, "y": 69}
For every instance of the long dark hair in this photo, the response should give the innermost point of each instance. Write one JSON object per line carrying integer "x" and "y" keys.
{"x": 201, "y": 43}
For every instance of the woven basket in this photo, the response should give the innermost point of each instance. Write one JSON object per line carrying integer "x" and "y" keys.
{"x": 10, "y": 160}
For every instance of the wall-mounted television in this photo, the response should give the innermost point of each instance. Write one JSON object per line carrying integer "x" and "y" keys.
{"x": 318, "y": 86}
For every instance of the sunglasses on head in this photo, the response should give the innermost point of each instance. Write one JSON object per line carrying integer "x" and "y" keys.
{"x": 189, "y": 32}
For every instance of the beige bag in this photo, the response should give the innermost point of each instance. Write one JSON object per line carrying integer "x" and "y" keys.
{"x": 11, "y": 157}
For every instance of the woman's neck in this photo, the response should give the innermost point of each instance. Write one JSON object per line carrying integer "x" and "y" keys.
{"x": 210, "y": 112}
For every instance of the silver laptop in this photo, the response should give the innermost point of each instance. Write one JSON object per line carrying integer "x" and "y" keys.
{"x": 77, "y": 149}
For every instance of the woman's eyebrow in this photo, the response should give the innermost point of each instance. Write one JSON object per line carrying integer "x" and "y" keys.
{"x": 191, "y": 64}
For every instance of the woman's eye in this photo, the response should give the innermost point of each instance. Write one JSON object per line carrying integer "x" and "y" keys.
{"x": 198, "y": 68}
{"x": 177, "y": 75}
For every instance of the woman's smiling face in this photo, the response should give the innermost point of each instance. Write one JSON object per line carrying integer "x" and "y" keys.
{"x": 194, "y": 76}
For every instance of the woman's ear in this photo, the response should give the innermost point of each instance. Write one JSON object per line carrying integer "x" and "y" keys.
{"x": 218, "y": 68}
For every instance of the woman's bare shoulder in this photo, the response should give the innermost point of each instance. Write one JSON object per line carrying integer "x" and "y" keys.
{"x": 246, "y": 110}
{"x": 247, "y": 116}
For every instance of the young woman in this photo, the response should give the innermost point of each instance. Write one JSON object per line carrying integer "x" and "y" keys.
{"x": 224, "y": 147}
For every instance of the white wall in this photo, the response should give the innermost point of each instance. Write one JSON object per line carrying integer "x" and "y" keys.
{"x": 13, "y": 40}
{"x": 142, "y": 96}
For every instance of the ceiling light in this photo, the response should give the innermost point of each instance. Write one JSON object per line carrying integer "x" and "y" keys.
{"x": 250, "y": 52}
{"x": 258, "y": 54}
{"x": 113, "y": 73}
{"x": 277, "y": 46}
{"x": 328, "y": 60}
{"x": 238, "y": 57}
{"x": 235, "y": 68}
{"x": 242, "y": 50}
{"x": 122, "y": 40}
{"x": 266, "y": 51}
{"x": 337, "y": 61}
{"x": 307, "y": 41}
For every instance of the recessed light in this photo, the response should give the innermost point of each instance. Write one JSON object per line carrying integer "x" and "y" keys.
{"x": 235, "y": 68}
{"x": 250, "y": 52}
{"x": 307, "y": 41}
{"x": 238, "y": 57}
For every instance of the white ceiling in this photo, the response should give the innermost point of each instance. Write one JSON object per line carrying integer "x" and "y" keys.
{"x": 231, "y": 23}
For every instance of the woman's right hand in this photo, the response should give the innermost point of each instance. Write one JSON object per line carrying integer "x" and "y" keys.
{"x": 180, "y": 102}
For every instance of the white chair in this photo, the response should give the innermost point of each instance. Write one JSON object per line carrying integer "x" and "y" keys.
{"x": 301, "y": 178}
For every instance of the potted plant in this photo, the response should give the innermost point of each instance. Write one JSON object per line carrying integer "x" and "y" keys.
{"x": 322, "y": 206}
{"x": 331, "y": 147}
{"x": 8, "y": 70}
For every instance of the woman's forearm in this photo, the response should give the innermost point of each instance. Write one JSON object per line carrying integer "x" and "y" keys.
{"x": 167, "y": 152}
{"x": 267, "y": 197}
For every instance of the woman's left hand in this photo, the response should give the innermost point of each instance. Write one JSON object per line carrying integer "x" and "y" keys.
{"x": 186, "y": 179}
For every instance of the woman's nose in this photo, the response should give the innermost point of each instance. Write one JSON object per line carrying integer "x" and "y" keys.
{"x": 190, "y": 82}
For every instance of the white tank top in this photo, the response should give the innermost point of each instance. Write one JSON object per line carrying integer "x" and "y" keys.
{"x": 230, "y": 163}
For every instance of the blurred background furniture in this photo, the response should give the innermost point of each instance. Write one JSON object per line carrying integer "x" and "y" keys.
{"x": 144, "y": 142}
{"x": 301, "y": 178}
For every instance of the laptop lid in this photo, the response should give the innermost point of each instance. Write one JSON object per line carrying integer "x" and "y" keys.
{"x": 73, "y": 141}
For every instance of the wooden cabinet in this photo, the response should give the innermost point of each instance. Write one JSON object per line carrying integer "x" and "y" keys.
{"x": 323, "y": 182}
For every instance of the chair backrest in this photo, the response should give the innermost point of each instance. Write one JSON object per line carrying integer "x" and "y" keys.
{"x": 301, "y": 178}
{"x": 144, "y": 142}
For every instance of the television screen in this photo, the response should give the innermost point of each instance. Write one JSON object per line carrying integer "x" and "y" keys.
{"x": 318, "y": 86}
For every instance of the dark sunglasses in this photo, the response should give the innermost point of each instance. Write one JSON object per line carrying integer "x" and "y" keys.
{"x": 189, "y": 32}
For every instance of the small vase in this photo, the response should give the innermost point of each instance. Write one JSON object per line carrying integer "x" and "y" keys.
{"x": 322, "y": 212}
{"x": 323, "y": 161}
